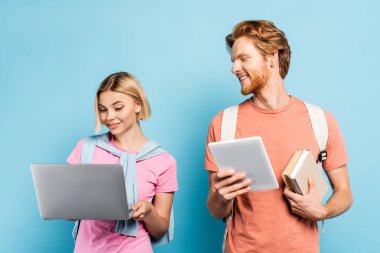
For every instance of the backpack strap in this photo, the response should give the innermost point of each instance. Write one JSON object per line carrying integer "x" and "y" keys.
{"x": 228, "y": 129}
{"x": 229, "y": 121}
{"x": 320, "y": 128}
{"x": 321, "y": 133}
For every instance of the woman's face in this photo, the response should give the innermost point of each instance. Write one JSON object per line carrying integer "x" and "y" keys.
{"x": 118, "y": 111}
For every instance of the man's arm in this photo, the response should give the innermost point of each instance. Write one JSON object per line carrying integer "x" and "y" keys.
{"x": 225, "y": 185}
{"x": 341, "y": 199}
{"x": 310, "y": 207}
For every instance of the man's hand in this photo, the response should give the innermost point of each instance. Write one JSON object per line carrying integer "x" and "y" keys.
{"x": 225, "y": 185}
{"x": 229, "y": 184}
{"x": 308, "y": 206}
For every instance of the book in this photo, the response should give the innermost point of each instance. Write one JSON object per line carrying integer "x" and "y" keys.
{"x": 296, "y": 173}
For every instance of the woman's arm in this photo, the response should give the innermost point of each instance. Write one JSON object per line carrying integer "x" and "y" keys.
{"x": 155, "y": 216}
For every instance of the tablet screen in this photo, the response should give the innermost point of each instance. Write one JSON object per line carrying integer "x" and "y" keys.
{"x": 246, "y": 155}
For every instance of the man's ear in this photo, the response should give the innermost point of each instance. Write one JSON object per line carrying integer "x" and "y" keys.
{"x": 272, "y": 59}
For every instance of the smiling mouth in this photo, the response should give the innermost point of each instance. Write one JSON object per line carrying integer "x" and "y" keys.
{"x": 112, "y": 126}
{"x": 242, "y": 78}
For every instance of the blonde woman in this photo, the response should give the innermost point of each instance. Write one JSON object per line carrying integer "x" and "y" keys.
{"x": 150, "y": 172}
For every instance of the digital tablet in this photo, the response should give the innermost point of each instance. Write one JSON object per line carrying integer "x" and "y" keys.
{"x": 246, "y": 155}
{"x": 80, "y": 191}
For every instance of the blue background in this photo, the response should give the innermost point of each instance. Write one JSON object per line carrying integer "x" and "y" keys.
{"x": 54, "y": 54}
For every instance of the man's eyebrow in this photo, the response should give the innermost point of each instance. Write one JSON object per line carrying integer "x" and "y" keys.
{"x": 238, "y": 56}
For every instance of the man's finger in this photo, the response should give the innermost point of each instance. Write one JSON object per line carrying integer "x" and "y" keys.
{"x": 229, "y": 188}
{"x": 234, "y": 178}
{"x": 291, "y": 195}
{"x": 224, "y": 173}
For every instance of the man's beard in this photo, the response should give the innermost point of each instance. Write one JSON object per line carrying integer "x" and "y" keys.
{"x": 258, "y": 81}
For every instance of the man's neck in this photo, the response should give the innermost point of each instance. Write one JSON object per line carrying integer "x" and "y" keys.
{"x": 272, "y": 96}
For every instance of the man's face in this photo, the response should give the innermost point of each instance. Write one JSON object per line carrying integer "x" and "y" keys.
{"x": 249, "y": 66}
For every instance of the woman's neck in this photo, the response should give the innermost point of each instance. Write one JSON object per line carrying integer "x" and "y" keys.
{"x": 131, "y": 139}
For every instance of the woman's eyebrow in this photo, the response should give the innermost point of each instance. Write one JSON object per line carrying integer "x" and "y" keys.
{"x": 117, "y": 102}
{"x": 112, "y": 104}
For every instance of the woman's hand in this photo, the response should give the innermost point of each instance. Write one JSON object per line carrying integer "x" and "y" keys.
{"x": 155, "y": 215}
{"x": 141, "y": 209}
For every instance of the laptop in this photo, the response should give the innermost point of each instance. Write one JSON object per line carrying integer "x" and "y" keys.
{"x": 246, "y": 155}
{"x": 80, "y": 191}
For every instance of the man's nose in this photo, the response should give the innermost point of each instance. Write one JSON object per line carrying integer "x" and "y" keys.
{"x": 235, "y": 68}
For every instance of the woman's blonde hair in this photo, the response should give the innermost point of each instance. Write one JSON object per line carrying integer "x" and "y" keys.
{"x": 267, "y": 39}
{"x": 125, "y": 83}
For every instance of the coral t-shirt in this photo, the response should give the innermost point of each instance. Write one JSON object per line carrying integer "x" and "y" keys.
{"x": 156, "y": 174}
{"x": 263, "y": 221}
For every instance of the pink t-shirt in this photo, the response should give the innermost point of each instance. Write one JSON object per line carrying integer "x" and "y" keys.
{"x": 156, "y": 174}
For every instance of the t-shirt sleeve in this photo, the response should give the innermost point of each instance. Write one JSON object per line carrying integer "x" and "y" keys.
{"x": 167, "y": 179}
{"x": 337, "y": 155}
{"x": 213, "y": 135}
{"x": 75, "y": 156}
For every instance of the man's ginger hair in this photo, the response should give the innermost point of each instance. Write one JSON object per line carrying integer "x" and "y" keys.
{"x": 267, "y": 38}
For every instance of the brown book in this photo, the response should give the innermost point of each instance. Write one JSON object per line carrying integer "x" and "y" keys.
{"x": 299, "y": 168}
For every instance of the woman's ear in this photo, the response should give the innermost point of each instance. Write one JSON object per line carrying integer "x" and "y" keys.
{"x": 138, "y": 107}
